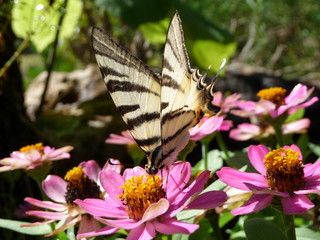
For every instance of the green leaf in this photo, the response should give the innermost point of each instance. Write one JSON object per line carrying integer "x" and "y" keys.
{"x": 215, "y": 161}
{"x": 211, "y": 53}
{"x": 295, "y": 116}
{"x": 315, "y": 148}
{"x": 34, "y": 230}
{"x": 263, "y": 230}
{"x": 155, "y": 33}
{"x": 38, "y": 21}
{"x": 306, "y": 234}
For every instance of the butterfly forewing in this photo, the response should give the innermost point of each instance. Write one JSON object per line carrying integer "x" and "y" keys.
{"x": 134, "y": 88}
{"x": 182, "y": 102}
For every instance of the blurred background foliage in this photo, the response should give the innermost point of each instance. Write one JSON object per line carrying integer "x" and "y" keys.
{"x": 277, "y": 37}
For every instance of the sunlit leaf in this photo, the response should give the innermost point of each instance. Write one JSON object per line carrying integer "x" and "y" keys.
{"x": 38, "y": 21}
{"x": 155, "y": 33}
{"x": 306, "y": 234}
{"x": 34, "y": 230}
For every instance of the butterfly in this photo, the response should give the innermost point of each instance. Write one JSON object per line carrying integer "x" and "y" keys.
{"x": 158, "y": 109}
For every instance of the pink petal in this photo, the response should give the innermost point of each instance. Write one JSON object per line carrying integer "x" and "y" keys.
{"x": 172, "y": 226}
{"x": 155, "y": 210}
{"x": 142, "y": 232}
{"x": 298, "y": 94}
{"x": 124, "y": 223}
{"x": 55, "y": 188}
{"x": 296, "y": 204}
{"x": 312, "y": 169}
{"x": 181, "y": 200}
{"x": 91, "y": 169}
{"x": 256, "y": 203}
{"x": 256, "y": 156}
{"x": 242, "y": 180}
{"x": 208, "y": 200}
{"x": 57, "y": 154}
{"x": 104, "y": 231}
{"x": 179, "y": 176}
{"x": 244, "y": 131}
{"x": 46, "y": 204}
{"x": 299, "y": 126}
{"x": 112, "y": 164}
{"x": 111, "y": 181}
{"x": 49, "y": 215}
{"x": 133, "y": 172}
{"x": 101, "y": 208}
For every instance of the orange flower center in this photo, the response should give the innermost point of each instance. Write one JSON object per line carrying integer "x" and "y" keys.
{"x": 275, "y": 95}
{"x": 139, "y": 193}
{"x": 284, "y": 170}
{"x": 38, "y": 146}
{"x": 80, "y": 186}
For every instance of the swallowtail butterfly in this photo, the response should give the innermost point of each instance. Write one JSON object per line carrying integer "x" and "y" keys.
{"x": 158, "y": 109}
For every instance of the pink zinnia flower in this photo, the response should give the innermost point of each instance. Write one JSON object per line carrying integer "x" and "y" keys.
{"x": 274, "y": 103}
{"x": 209, "y": 125}
{"x": 227, "y": 103}
{"x": 32, "y": 156}
{"x": 125, "y": 138}
{"x": 246, "y": 131}
{"x": 280, "y": 174}
{"x": 145, "y": 204}
{"x": 80, "y": 183}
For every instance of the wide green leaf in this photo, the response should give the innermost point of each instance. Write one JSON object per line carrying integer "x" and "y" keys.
{"x": 306, "y": 234}
{"x": 16, "y": 226}
{"x": 38, "y": 21}
{"x": 263, "y": 230}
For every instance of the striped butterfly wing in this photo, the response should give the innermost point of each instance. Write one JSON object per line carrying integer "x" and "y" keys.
{"x": 134, "y": 88}
{"x": 185, "y": 97}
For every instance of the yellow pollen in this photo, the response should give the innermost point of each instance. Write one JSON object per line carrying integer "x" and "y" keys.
{"x": 75, "y": 174}
{"x": 139, "y": 193}
{"x": 80, "y": 186}
{"x": 275, "y": 95}
{"x": 38, "y": 146}
{"x": 284, "y": 170}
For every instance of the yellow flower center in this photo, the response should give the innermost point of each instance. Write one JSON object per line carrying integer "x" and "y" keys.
{"x": 275, "y": 95}
{"x": 139, "y": 193}
{"x": 80, "y": 186}
{"x": 38, "y": 146}
{"x": 284, "y": 170}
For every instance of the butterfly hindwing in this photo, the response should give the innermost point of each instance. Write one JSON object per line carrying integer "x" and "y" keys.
{"x": 134, "y": 88}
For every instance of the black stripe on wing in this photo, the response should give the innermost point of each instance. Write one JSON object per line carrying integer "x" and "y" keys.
{"x": 127, "y": 86}
{"x": 176, "y": 134}
{"x": 124, "y": 109}
{"x": 148, "y": 141}
{"x": 141, "y": 119}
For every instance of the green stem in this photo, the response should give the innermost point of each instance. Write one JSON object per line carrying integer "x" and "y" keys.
{"x": 222, "y": 145}
{"x": 52, "y": 58}
{"x": 16, "y": 54}
{"x": 213, "y": 218}
{"x": 279, "y": 136}
{"x": 204, "y": 150}
{"x": 288, "y": 223}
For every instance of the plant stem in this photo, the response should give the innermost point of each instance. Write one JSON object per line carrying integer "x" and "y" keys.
{"x": 214, "y": 222}
{"x": 52, "y": 58}
{"x": 288, "y": 223}
{"x": 16, "y": 54}
{"x": 222, "y": 145}
{"x": 279, "y": 136}
{"x": 204, "y": 150}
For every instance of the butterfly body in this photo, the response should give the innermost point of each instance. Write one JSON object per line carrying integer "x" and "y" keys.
{"x": 158, "y": 109}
